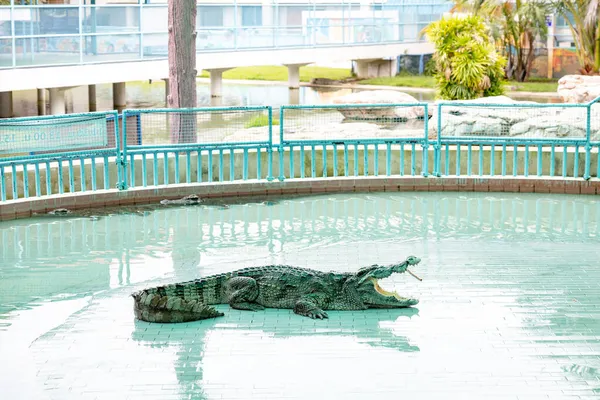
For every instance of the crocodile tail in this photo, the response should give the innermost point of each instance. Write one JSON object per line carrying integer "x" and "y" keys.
{"x": 165, "y": 306}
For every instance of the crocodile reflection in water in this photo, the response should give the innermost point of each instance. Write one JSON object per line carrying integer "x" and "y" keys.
{"x": 366, "y": 327}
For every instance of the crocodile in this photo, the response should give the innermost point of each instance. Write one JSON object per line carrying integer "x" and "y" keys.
{"x": 192, "y": 199}
{"x": 60, "y": 211}
{"x": 307, "y": 292}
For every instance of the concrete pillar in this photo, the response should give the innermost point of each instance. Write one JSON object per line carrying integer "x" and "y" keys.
{"x": 394, "y": 66}
{"x": 57, "y": 101}
{"x": 216, "y": 82}
{"x": 217, "y": 118}
{"x": 294, "y": 96}
{"x": 362, "y": 69}
{"x": 167, "y": 91}
{"x": 6, "y": 105}
{"x": 92, "y": 105}
{"x": 375, "y": 68}
{"x": 41, "y": 101}
{"x": 216, "y": 102}
{"x": 294, "y": 75}
{"x": 119, "y": 96}
{"x": 69, "y": 103}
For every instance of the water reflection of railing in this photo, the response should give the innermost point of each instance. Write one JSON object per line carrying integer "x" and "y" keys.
{"x": 295, "y": 222}
{"x": 41, "y": 35}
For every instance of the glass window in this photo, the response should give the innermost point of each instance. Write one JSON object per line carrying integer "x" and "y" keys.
{"x": 210, "y": 16}
{"x": 251, "y": 16}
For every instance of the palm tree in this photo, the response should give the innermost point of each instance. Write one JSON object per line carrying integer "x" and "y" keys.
{"x": 515, "y": 25}
{"x": 585, "y": 28}
{"x": 523, "y": 22}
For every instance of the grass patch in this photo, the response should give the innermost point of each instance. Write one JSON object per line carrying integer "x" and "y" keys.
{"x": 420, "y": 81}
{"x": 260, "y": 120}
{"x": 415, "y": 81}
{"x": 535, "y": 85}
{"x": 280, "y": 73}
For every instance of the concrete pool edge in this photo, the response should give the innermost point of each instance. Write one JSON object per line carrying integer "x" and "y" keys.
{"x": 24, "y": 208}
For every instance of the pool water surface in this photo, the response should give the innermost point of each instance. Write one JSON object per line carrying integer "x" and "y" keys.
{"x": 509, "y": 302}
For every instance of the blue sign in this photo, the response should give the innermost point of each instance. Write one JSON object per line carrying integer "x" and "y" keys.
{"x": 64, "y": 134}
{"x": 548, "y": 20}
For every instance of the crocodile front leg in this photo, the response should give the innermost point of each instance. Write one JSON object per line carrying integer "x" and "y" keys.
{"x": 242, "y": 293}
{"x": 309, "y": 306}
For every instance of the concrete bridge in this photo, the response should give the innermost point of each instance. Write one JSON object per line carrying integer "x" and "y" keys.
{"x": 53, "y": 48}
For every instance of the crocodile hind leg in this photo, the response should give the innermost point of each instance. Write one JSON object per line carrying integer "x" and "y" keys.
{"x": 242, "y": 292}
{"x": 308, "y": 306}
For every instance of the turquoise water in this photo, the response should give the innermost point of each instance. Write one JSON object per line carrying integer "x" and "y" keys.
{"x": 508, "y": 303}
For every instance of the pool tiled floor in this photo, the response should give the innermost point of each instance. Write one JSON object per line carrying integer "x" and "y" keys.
{"x": 509, "y": 302}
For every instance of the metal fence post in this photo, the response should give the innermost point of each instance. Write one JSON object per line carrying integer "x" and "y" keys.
{"x": 426, "y": 143}
{"x": 121, "y": 138}
{"x": 438, "y": 153}
{"x": 588, "y": 145}
{"x": 270, "y": 150}
{"x": 280, "y": 149}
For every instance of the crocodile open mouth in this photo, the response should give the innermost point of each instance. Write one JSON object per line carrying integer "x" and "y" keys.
{"x": 384, "y": 292}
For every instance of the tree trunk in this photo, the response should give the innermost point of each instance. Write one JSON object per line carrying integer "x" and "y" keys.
{"x": 597, "y": 51}
{"x": 182, "y": 69}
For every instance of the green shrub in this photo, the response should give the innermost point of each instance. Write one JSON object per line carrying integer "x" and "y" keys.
{"x": 467, "y": 65}
{"x": 430, "y": 67}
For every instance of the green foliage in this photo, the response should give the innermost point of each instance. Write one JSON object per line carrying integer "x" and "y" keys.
{"x": 430, "y": 67}
{"x": 515, "y": 25}
{"x": 522, "y": 22}
{"x": 583, "y": 17}
{"x": 467, "y": 65}
{"x": 259, "y": 120}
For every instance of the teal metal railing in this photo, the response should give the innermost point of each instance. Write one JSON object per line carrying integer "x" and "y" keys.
{"x": 359, "y": 156}
{"x": 172, "y": 136}
{"x": 561, "y": 132}
{"x": 140, "y": 148}
{"x": 71, "y": 152}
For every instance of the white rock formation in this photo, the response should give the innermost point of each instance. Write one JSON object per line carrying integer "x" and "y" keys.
{"x": 579, "y": 88}
{"x": 530, "y": 122}
{"x": 380, "y": 97}
{"x": 566, "y": 125}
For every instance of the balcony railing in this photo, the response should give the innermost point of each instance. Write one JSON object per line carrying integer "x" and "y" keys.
{"x": 50, "y": 35}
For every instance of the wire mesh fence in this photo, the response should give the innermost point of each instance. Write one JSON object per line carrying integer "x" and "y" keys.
{"x": 197, "y": 145}
{"x": 523, "y": 120}
{"x": 22, "y": 137}
{"x": 203, "y": 126}
{"x": 351, "y": 122}
{"x": 353, "y": 140}
{"x": 513, "y": 139}
{"x": 58, "y": 154}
